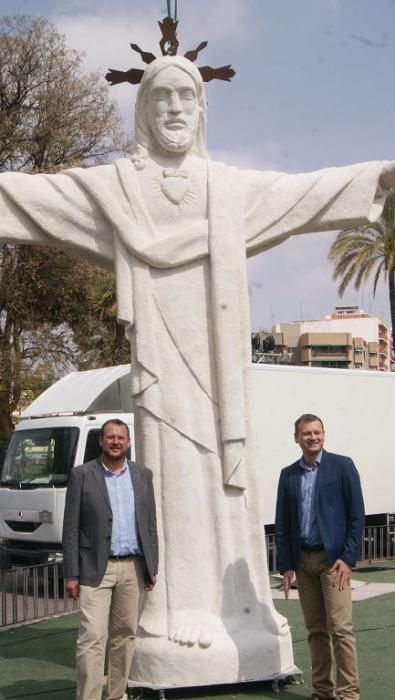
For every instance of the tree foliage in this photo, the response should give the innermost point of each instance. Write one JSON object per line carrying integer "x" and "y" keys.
{"x": 52, "y": 116}
{"x": 367, "y": 252}
{"x": 102, "y": 341}
{"x": 33, "y": 300}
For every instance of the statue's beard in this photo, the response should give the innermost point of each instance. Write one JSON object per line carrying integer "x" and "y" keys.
{"x": 176, "y": 141}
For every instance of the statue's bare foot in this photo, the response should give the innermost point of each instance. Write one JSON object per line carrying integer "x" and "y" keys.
{"x": 190, "y": 627}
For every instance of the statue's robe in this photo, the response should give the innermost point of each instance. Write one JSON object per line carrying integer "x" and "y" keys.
{"x": 183, "y": 298}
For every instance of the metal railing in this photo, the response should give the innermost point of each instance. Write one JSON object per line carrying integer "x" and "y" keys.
{"x": 377, "y": 544}
{"x": 32, "y": 593}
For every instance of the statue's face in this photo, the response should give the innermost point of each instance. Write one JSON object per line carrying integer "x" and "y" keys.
{"x": 173, "y": 110}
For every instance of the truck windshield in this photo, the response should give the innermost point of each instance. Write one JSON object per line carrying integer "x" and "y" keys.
{"x": 39, "y": 457}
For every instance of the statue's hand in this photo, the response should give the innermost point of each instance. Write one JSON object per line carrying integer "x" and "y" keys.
{"x": 387, "y": 177}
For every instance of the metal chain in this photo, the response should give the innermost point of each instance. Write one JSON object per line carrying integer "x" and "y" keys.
{"x": 169, "y": 9}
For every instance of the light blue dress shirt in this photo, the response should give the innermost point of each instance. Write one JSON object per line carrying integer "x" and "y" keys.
{"x": 124, "y": 536}
{"x": 309, "y": 526}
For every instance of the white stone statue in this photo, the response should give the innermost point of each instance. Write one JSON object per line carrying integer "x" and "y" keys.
{"x": 177, "y": 228}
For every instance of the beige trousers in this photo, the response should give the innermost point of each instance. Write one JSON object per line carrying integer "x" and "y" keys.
{"x": 328, "y": 617}
{"x": 110, "y": 609}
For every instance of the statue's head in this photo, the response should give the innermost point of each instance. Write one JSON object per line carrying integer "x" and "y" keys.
{"x": 171, "y": 108}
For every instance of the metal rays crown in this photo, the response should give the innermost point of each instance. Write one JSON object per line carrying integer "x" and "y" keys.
{"x": 169, "y": 46}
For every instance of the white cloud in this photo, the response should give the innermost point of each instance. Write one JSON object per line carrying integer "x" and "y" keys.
{"x": 105, "y": 41}
{"x": 103, "y": 31}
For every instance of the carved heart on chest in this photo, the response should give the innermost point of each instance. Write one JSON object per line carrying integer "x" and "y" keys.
{"x": 175, "y": 185}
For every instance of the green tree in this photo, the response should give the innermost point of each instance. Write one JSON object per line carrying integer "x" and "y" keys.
{"x": 38, "y": 311}
{"x": 103, "y": 343}
{"x": 368, "y": 251}
{"x": 52, "y": 116}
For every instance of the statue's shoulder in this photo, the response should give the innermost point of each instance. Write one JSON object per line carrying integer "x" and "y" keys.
{"x": 221, "y": 168}
{"x": 99, "y": 176}
{"x": 124, "y": 163}
{"x": 126, "y": 166}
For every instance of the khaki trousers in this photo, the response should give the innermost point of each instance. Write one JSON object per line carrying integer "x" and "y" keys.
{"x": 328, "y": 617}
{"x": 110, "y": 609}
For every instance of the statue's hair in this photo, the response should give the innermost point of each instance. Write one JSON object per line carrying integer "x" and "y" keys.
{"x": 142, "y": 135}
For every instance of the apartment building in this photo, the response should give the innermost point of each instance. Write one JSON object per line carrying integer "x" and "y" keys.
{"x": 348, "y": 338}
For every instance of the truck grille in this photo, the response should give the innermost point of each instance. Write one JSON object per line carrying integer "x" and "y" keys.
{"x": 21, "y": 526}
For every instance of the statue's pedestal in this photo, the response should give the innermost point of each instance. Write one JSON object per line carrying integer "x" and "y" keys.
{"x": 235, "y": 656}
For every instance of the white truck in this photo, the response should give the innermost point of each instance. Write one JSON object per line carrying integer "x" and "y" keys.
{"x": 358, "y": 411}
{"x": 60, "y": 430}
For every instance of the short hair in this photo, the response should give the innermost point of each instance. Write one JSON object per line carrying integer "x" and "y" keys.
{"x": 117, "y": 421}
{"x": 307, "y": 418}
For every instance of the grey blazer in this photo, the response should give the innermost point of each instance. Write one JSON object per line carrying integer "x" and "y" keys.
{"x": 87, "y": 522}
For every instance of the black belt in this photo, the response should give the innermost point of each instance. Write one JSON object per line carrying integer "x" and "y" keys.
{"x": 115, "y": 557}
{"x": 312, "y": 548}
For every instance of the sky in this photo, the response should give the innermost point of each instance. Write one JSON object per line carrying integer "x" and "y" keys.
{"x": 314, "y": 88}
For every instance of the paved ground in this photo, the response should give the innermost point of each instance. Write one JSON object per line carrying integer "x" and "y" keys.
{"x": 36, "y": 661}
{"x": 360, "y": 590}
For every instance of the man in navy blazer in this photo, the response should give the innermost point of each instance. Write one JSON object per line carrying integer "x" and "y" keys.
{"x": 110, "y": 550}
{"x": 319, "y": 525}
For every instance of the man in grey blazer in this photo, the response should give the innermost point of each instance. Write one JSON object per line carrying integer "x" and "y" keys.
{"x": 110, "y": 550}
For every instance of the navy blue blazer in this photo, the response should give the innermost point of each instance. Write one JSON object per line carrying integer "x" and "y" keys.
{"x": 338, "y": 506}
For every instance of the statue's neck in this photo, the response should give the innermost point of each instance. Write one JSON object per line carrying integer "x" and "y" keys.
{"x": 170, "y": 160}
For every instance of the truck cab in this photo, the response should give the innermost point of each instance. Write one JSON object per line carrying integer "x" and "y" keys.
{"x": 58, "y": 431}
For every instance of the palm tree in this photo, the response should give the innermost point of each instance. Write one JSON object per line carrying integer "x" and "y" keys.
{"x": 358, "y": 253}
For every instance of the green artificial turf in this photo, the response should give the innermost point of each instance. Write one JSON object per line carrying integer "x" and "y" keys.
{"x": 37, "y": 661}
{"x": 383, "y": 572}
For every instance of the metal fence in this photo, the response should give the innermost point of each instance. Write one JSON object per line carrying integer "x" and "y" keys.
{"x": 31, "y": 593}
{"x": 34, "y": 592}
{"x": 377, "y": 544}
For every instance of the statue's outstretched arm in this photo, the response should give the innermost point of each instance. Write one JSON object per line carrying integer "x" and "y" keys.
{"x": 56, "y": 211}
{"x": 387, "y": 176}
{"x": 279, "y": 205}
